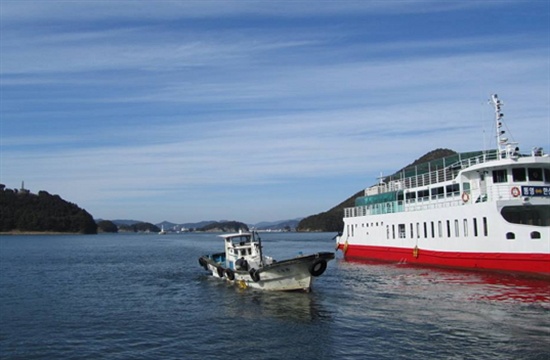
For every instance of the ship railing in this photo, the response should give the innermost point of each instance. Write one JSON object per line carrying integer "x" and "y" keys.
{"x": 446, "y": 173}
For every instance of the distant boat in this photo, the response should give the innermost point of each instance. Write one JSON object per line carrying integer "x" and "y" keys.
{"x": 244, "y": 265}
{"x": 162, "y": 232}
{"x": 485, "y": 210}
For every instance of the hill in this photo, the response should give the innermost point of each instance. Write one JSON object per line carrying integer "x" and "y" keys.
{"x": 23, "y": 211}
{"x": 332, "y": 220}
{"x": 225, "y": 226}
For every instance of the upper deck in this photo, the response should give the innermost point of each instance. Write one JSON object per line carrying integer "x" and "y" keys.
{"x": 472, "y": 178}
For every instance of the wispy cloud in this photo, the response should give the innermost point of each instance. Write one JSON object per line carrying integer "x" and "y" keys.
{"x": 183, "y": 109}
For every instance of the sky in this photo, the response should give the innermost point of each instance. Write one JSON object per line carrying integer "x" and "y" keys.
{"x": 252, "y": 111}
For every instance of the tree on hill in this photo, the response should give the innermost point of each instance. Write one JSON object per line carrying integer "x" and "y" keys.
{"x": 332, "y": 220}
{"x": 107, "y": 226}
{"x": 42, "y": 212}
{"x": 225, "y": 226}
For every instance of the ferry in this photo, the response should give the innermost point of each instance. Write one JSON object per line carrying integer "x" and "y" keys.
{"x": 487, "y": 210}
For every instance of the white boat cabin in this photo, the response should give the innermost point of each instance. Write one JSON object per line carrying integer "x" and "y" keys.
{"x": 243, "y": 251}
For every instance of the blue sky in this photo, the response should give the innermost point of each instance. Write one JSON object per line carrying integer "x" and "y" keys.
{"x": 256, "y": 110}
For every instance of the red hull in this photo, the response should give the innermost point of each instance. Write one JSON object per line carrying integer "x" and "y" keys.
{"x": 536, "y": 264}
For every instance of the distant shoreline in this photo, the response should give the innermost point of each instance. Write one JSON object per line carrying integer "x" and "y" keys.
{"x": 19, "y": 232}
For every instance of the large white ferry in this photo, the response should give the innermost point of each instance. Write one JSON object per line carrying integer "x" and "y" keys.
{"x": 481, "y": 210}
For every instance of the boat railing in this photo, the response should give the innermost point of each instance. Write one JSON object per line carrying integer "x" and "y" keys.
{"x": 491, "y": 193}
{"x": 400, "y": 181}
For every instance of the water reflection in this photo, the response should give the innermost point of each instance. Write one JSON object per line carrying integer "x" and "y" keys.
{"x": 466, "y": 285}
{"x": 254, "y": 304}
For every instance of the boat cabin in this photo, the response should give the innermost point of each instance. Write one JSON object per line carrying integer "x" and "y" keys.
{"x": 243, "y": 251}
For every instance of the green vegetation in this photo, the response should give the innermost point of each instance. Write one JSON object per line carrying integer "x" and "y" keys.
{"x": 225, "y": 226}
{"x": 139, "y": 227}
{"x": 107, "y": 226}
{"x": 23, "y": 211}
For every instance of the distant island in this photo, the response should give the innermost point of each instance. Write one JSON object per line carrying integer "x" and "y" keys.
{"x": 21, "y": 211}
{"x": 115, "y": 226}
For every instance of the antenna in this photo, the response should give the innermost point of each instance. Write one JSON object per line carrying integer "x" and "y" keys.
{"x": 506, "y": 149}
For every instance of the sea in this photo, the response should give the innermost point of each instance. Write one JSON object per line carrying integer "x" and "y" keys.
{"x": 145, "y": 296}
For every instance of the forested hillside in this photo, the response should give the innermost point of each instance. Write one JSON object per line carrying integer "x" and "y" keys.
{"x": 21, "y": 210}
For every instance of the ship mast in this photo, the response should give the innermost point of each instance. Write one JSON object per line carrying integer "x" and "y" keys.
{"x": 505, "y": 148}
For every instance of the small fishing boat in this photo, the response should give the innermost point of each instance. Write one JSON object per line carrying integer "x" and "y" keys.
{"x": 244, "y": 265}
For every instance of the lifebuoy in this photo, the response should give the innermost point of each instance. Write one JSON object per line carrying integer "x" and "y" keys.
{"x": 318, "y": 267}
{"x": 515, "y": 191}
{"x": 254, "y": 275}
{"x": 230, "y": 274}
{"x": 220, "y": 271}
{"x": 465, "y": 196}
{"x": 415, "y": 252}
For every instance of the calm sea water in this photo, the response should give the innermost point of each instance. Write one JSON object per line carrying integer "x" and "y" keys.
{"x": 146, "y": 297}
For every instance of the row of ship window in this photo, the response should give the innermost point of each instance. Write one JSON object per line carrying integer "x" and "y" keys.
{"x": 522, "y": 174}
{"x": 432, "y": 228}
{"x": 519, "y": 174}
{"x": 438, "y": 229}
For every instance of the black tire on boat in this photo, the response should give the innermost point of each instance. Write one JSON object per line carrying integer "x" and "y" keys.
{"x": 202, "y": 263}
{"x": 220, "y": 271}
{"x": 230, "y": 274}
{"x": 318, "y": 267}
{"x": 254, "y": 275}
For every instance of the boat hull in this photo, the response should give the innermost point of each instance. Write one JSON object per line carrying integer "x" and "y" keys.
{"x": 532, "y": 264}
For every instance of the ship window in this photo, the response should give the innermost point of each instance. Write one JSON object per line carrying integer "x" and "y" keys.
{"x": 457, "y": 230}
{"x": 535, "y": 174}
{"x": 510, "y": 236}
{"x": 499, "y": 176}
{"x": 425, "y": 231}
{"x": 437, "y": 192}
{"x": 393, "y": 231}
{"x": 448, "y": 228}
{"x": 485, "y": 228}
{"x": 465, "y": 227}
{"x": 535, "y": 235}
{"x": 536, "y": 215}
{"x": 401, "y": 230}
{"x": 387, "y": 231}
{"x": 547, "y": 176}
{"x": 519, "y": 174}
{"x": 452, "y": 190}
{"x": 418, "y": 230}
{"x": 439, "y": 229}
{"x": 410, "y": 195}
{"x": 412, "y": 231}
{"x": 423, "y": 194}
{"x": 475, "y": 227}
{"x": 433, "y": 229}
